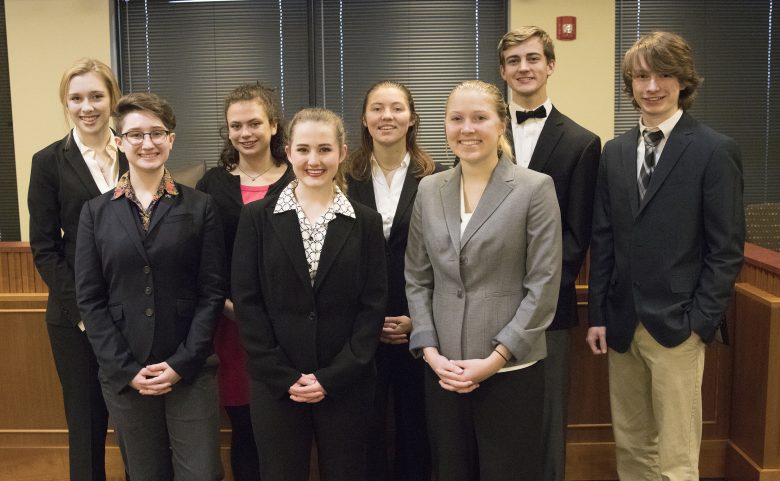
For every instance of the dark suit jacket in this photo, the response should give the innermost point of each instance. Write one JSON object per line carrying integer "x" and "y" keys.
{"x": 154, "y": 297}
{"x": 60, "y": 183}
{"x": 225, "y": 189}
{"x": 671, "y": 260}
{"x": 395, "y": 245}
{"x": 570, "y": 155}
{"x": 289, "y": 327}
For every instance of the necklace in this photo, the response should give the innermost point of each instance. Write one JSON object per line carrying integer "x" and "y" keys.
{"x": 387, "y": 169}
{"x": 252, "y": 179}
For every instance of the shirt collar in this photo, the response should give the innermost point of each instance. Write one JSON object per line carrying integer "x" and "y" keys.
{"x": 666, "y": 126}
{"x": 514, "y": 107}
{"x": 287, "y": 201}
{"x": 125, "y": 189}
{"x": 110, "y": 144}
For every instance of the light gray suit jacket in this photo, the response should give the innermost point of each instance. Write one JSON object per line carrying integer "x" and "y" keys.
{"x": 499, "y": 282}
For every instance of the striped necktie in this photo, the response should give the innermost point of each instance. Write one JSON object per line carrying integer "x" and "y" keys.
{"x": 652, "y": 138}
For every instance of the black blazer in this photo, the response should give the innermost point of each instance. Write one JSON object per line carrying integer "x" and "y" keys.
{"x": 671, "y": 261}
{"x": 289, "y": 327}
{"x": 395, "y": 245}
{"x": 570, "y": 155}
{"x": 60, "y": 183}
{"x": 225, "y": 189}
{"x": 154, "y": 297}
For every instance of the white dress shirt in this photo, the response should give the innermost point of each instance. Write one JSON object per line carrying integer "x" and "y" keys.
{"x": 527, "y": 134}
{"x": 387, "y": 196}
{"x": 111, "y": 169}
{"x": 666, "y": 127}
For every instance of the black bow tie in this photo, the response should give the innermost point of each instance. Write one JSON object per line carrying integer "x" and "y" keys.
{"x": 523, "y": 115}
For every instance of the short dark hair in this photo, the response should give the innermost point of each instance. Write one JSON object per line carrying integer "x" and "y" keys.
{"x": 144, "y": 102}
{"x": 665, "y": 53}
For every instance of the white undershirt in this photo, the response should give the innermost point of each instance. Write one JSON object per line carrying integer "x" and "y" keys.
{"x": 388, "y": 196}
{"x": 465, "y": 217}
{"x": 527, "y": 134}
{"x": 112, "y": 170}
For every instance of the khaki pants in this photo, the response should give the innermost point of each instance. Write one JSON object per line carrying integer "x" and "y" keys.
{"x": 655, "y": 397}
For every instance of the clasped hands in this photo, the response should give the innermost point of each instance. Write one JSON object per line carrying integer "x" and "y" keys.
{"x": 155, "y": 379}
{"x": 464, "y": 375}
{"x": 307, "y": 389}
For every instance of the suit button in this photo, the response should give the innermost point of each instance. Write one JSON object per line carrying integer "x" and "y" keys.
{"x": 464, "y": 260}
{"x": 311, "y": 316}
{"x": 147, "y": 269}
{"x": 147, "y": 290}
{"x": 637, "y": 284}
{"x": 148, "y": 312}
{"x": 460, "y": 293}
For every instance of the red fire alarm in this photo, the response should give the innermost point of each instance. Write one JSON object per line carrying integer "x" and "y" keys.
{"x": 567, "y": 28}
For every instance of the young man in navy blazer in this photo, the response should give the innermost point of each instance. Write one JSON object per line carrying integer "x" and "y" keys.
{"x": 668, "y": 236}
{"x": 545, "y": 140}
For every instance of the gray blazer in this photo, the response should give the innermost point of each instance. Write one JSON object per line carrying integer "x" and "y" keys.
{"x": 499, "y": 282}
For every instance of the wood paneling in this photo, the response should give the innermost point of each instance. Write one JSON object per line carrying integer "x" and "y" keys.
{"x": 741, "y": 434}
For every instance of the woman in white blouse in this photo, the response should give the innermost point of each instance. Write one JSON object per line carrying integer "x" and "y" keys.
{"x": 383, "y": 174}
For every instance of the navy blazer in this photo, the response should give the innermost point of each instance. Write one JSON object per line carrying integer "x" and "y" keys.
{"x": 670, "y": 261}
{"x": 60, "y": 183}
{"x": 289, "y": 327}
{"x": 570, "y": 155}
{"x": 395, "y": 245}
{"x": 151, "y": 297}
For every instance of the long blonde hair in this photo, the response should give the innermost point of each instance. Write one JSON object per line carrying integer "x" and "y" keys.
{"x": 84, "y": 66}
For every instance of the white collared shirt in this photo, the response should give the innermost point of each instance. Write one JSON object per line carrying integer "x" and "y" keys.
{"x": 527, "y": 134}
{"x": 666, "y": 127}
{"x": 388, "y": 196}
{"x": 112, "y": 170}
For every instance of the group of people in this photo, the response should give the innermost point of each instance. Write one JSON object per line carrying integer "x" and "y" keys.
{"x": 301, "y": 286}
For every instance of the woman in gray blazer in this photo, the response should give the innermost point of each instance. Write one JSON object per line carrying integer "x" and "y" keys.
{"x": 483, "y": 267}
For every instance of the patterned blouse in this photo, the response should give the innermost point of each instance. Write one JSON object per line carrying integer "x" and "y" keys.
{"x": 313, "y": 235}
{"x": 124, "y": 188}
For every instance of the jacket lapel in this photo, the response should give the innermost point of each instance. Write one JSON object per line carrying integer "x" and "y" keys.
{"x": 408, "y": 192}
{"x": 450, "y": 201}
{"x": 125, "y": 212}
{"x": 288, "y": 230}
{"x": 628, "y": 146}
{"x": 77, "y": 163}
{"x": 675, "y": 146}
{"x": 548, "y": 138}
{"x": 337, "y": 234}
{"x": 163, "y": 207}
{"x": 495, "y": 193}
{"x": 363, "y": 192}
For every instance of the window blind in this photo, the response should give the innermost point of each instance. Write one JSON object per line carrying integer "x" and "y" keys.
{"x": 736, "y": 51}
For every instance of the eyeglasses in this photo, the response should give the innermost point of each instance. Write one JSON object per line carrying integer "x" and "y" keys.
{"x": 136, "y": 137}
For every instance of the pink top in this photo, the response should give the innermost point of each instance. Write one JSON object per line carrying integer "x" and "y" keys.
{"x": 250, "y": 193}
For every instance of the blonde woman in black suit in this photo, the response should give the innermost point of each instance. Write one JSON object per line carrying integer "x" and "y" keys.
{"x": 309, "y": 289}
{"x": 64, "y": 175}
{"x": 383, "y": 174}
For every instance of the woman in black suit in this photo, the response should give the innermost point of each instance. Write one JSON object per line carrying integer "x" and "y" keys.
{"x": 64, "y": 175}
{"x": 252, "y": 166}
{"x": 309, "y": 288}
{"x": 150, "y": 282}
{"x": 383, "y": 174}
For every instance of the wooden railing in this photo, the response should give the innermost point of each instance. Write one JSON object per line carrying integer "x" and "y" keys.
{"x": 741, "y": 389}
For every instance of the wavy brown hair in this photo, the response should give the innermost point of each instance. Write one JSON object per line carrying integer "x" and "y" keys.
{"x": 266, "y": 97}
{"x": 359, "y": 162}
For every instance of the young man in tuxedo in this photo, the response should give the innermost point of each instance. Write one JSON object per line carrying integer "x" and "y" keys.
{"x": 668, "y": 236}
{"x": 545, "y": 140}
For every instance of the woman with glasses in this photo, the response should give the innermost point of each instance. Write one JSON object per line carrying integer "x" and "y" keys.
{"x": 64, "y": 175}
{"x": 150, "y": 283}
{"x": 251, "y": 167}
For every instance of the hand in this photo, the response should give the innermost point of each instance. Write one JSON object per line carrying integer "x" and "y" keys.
{"x": 696, "y": 336}
{"x": 477, "y": 370}
{"x": 155, "y": 379}
{"x": 597, "y": 339}
{"x": 450, "y": 374}
{"x": 307, "y": 389}
{"x": 228, "y": 310}
{"x": 396, "y": 330}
